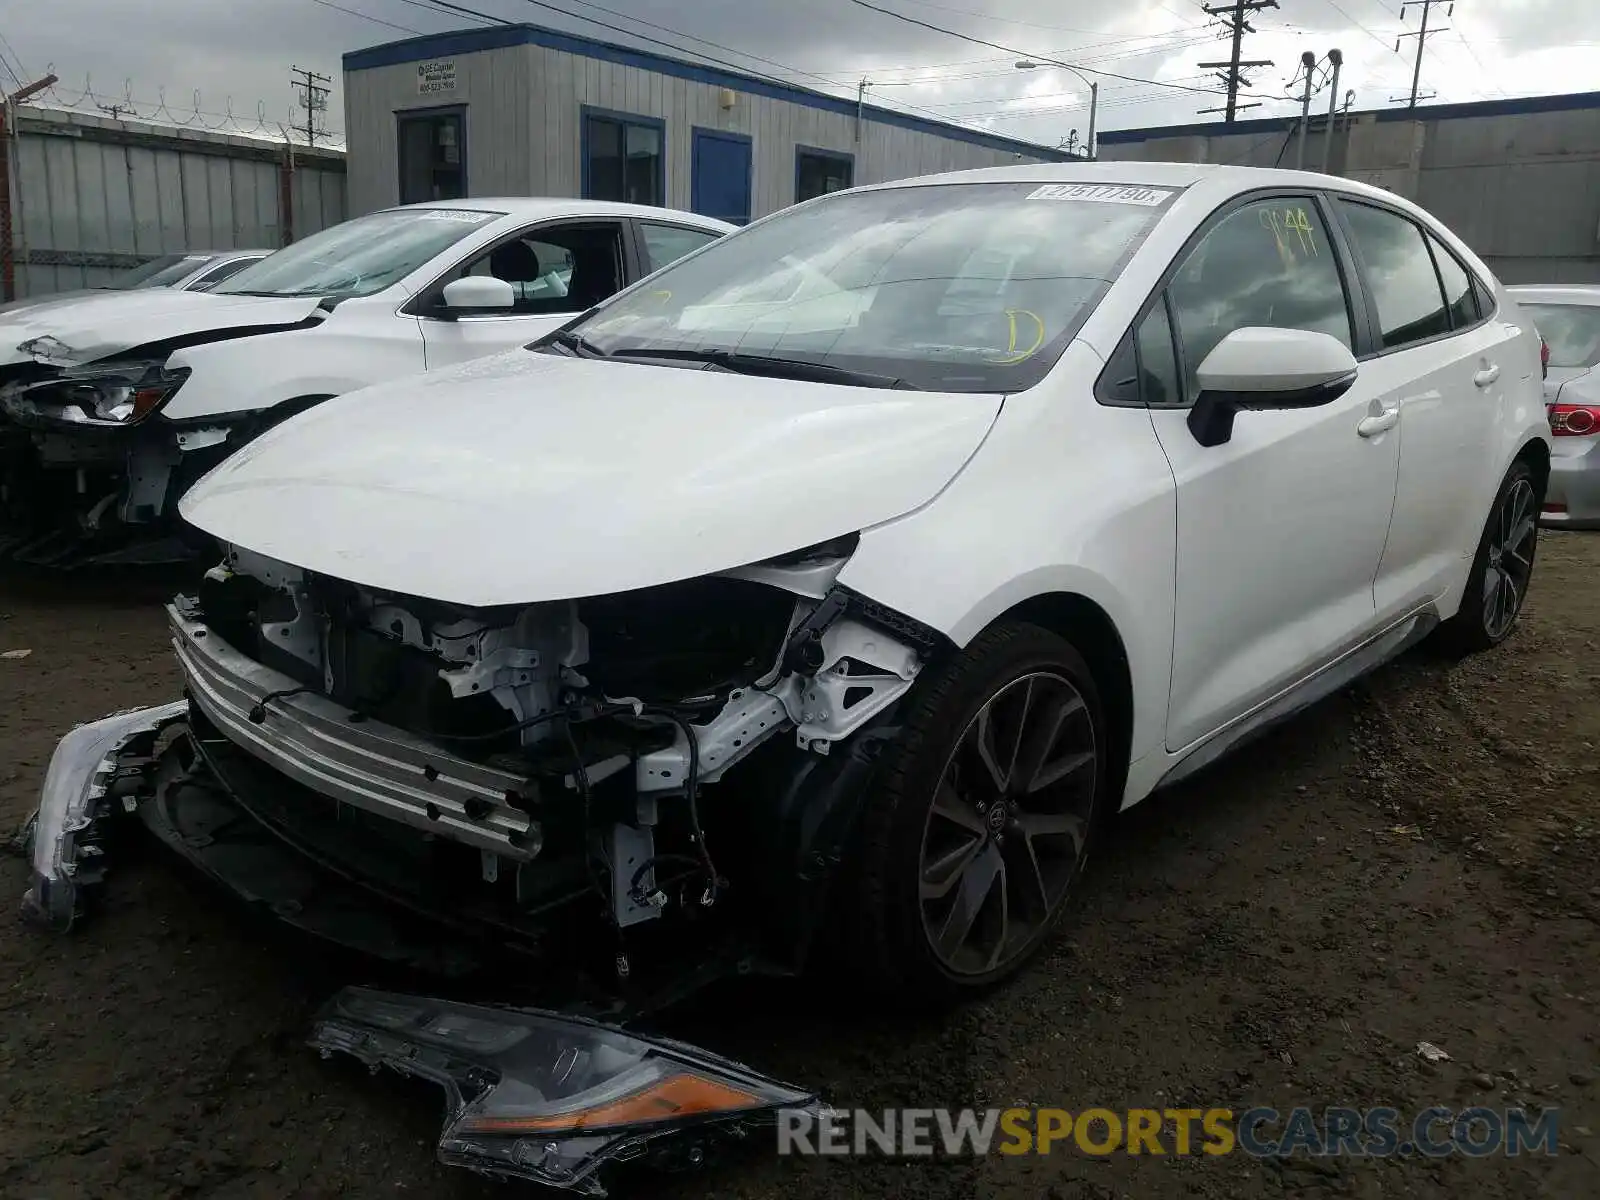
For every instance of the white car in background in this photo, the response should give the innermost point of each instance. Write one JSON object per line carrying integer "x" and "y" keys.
{"x": 835, "y": 584}
{"x": 192, "y": 271}
{"x": 112, "y": 404}
{"x": 1569, "y": 319}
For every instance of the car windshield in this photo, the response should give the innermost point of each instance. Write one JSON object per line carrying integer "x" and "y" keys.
{"x": 359, "y": 257}
{"x": 1572, "y": 331}
{"x": 973, "y": 287}
{"x": 160, "y": 272}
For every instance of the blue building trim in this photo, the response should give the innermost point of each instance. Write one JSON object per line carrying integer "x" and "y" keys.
{"x": 625, "y": 118}
{"x": 1524, "y": 106}
{"x": 500, "y": 37}
{"x": 819, "y": 152}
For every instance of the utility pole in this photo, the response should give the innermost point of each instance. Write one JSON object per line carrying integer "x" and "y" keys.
{"x": 1422, "y": 37}
{"x": 1235, "y": 17}
{"x": 8, "y": 246}
{"x": 1336, "y": 57}
{"x": 1308, "y": 63}
{"x": 313, "y": 98}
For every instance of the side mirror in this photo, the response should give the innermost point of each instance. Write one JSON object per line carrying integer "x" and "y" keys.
{"x": 1260, "y": 367}
{"x": 477, "y": 293}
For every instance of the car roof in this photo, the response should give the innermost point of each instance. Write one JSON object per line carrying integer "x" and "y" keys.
{"x": 1535, "y": 293}
{"x": 1212, "y": 177}
{"x": 532, "y": 208}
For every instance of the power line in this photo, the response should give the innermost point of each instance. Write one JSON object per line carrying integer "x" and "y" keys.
{"x": 993, "y": 58}
{"x": 366, "y": 16}
{"x": 889, "y": 12}
{"x": 482, "y": 18}
{"x": 1338, "y": 8}
{"x": 1002, "y": 19}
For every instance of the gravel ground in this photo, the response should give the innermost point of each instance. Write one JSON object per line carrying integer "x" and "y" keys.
{"x": 1412, "y": 860}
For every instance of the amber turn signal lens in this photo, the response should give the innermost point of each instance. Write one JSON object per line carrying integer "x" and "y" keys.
{"x": 145, "y": 400}
{"x": 669, "y": 1099}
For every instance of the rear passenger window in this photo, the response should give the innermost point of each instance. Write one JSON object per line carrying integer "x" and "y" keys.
{"x": 1400, "y": 271}
{"x": 1458, "y": 295}
{"x": 1267, "y": 263}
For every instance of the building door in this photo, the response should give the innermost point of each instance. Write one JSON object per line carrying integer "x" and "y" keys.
{"x": 720, "y": 176}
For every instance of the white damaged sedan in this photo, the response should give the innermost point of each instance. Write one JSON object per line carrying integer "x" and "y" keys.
{"x": 837, "y": 580}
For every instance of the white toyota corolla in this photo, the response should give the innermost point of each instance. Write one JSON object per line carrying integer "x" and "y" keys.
{"x": 854, "y": 566}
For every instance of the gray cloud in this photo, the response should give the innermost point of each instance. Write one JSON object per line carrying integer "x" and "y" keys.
{"x": 238, "y": 54}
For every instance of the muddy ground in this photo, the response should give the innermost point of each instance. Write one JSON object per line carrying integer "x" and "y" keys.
{"x": 1413, "y": 860}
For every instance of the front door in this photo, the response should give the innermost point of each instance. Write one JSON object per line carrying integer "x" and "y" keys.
{"x": 557, "y": 271}
{"x": 720, "y": 176}
{"x": 1280, "y": 529}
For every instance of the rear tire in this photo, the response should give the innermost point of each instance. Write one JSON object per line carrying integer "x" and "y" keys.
{"x": 982, "y": 820}
{"x": 1502, "y": 568}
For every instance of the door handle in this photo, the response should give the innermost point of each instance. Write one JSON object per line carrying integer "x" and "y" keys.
{"x": 1380, "y": 423}
{"x": 1488, "y": 376}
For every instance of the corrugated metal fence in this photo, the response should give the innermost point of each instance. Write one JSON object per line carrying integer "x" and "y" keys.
{"x": 91, "y": 197}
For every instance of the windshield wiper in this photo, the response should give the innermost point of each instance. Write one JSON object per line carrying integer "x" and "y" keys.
{"x": 773, "y": 368}
{"x": 576, "y": 342}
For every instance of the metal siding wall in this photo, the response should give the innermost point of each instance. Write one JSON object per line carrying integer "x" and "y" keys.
{"x": 88, "y": 186}
{"x": 1523, "y": 190}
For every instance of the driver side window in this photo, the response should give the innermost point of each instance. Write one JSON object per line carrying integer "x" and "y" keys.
{"x": 553, "y": 268}
{"x": 1267, "y": 263}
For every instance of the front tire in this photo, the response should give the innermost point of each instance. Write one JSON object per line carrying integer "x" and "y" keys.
{"x": 982, "y": 821}
{"x": 1502, "y": 569}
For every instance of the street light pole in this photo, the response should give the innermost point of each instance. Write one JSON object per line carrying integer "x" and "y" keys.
{"x": 1029, "y": 64}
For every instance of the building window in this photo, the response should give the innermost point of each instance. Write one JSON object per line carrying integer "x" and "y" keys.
{"x": 818, "y": 172}
{"x": 433, "y": 159}
{"x": 623, "y": 158}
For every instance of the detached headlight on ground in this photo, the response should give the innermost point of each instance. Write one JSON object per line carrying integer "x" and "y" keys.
{"x": 536, "y": 1095}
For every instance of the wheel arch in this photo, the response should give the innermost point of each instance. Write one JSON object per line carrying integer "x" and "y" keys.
{"x": 1094, "y": 635}
{"x": 1536, "y": 453}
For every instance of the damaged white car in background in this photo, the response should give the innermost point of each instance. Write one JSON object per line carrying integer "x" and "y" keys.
{"x": 826, "y": 592}
{"x": 112, "y": 404}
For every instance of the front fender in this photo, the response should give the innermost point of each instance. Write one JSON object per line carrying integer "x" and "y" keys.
{"x": 252, "y": 374}
{"x": 1065, "y": 497}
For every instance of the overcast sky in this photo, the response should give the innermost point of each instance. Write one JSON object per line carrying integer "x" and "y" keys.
{"x": 235, "y": 55}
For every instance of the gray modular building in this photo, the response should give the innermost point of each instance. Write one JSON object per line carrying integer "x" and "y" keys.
{"x": 1518, "y": 180}
{"x": 524, "y": 110}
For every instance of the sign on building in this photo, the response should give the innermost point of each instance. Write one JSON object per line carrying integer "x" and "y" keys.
{"x": 436, "y": 78}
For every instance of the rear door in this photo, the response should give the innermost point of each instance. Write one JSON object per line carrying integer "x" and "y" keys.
{"x": 1281, "y": 528}
{"x": 1444, "y": 367}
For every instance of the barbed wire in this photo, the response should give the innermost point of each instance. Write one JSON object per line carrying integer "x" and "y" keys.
{"x": 162, "y": 111}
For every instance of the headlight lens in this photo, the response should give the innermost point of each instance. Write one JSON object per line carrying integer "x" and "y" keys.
{"x": 106, "y": 396}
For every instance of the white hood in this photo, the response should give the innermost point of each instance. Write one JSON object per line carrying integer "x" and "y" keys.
{"x": 93, "y": 326}
{"x": 527, "y": 477}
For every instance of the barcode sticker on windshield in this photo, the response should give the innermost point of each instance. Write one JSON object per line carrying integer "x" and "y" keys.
{"x": 457, "y": 214}
{"x": 1101, "y": 193}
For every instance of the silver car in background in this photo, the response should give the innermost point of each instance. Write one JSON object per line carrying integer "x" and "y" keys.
{"x": 1569, "y": 320}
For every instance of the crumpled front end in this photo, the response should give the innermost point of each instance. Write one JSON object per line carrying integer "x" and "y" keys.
{"x": 84, "y": 469}
{"x": 645, "y": 789}
{"x": 97, "y": 771}
{"x": 553, "y": 1099}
